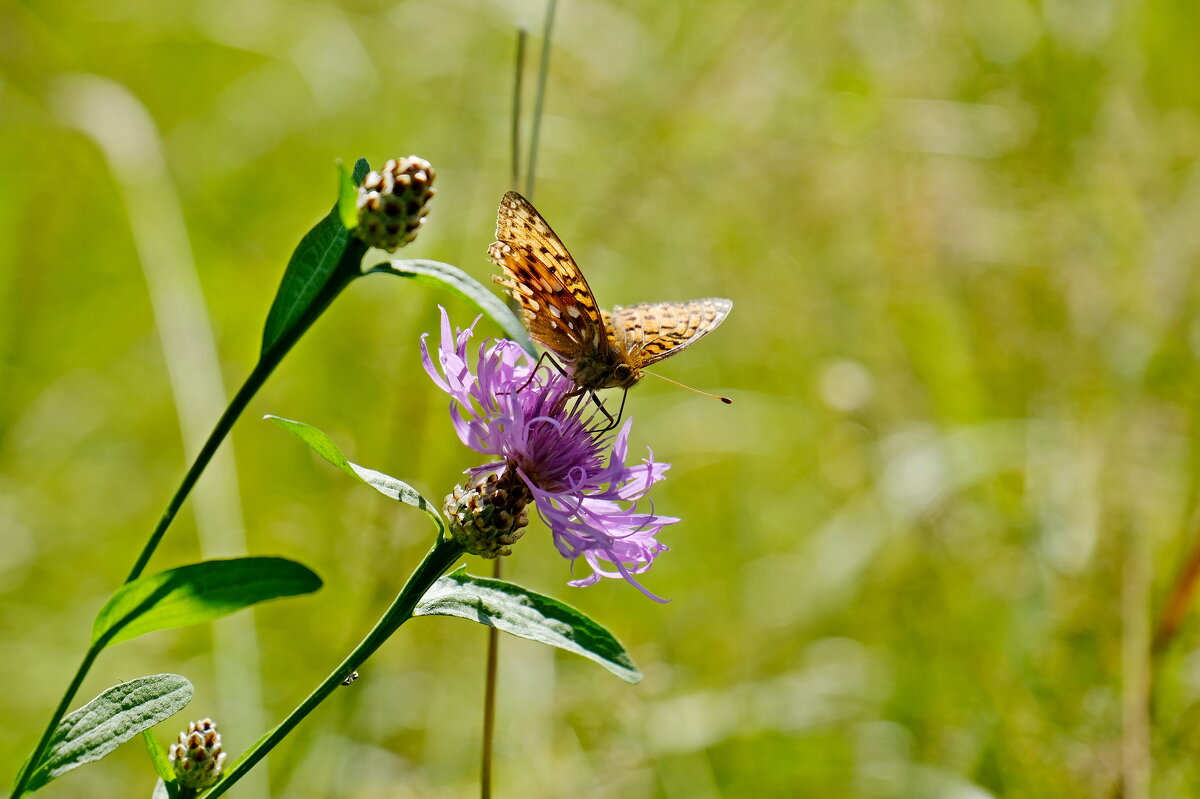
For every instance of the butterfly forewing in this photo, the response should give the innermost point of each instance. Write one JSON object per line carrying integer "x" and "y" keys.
{"x": 559, "y": 307}
{"x": 652, "y": 331}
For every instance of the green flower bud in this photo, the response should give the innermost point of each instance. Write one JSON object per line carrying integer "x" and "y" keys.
{"x": 197, "y": 757}
{"x": 487, "y": 515}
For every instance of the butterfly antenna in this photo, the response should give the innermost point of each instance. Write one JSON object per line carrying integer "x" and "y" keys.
{"x": 725, "y": 400}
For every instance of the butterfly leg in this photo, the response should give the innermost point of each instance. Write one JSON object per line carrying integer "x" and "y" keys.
{"x": 582, "y": 395}
{"x": 613, "y": 421}
{"x": 545, "y": 356}
{"x": 621, "y": 410}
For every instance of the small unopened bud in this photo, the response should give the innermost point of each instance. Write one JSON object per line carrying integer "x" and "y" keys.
{"x": 393, "y": 202}
{"x": 487, "y": 515}
{"x": 197, "y": 757}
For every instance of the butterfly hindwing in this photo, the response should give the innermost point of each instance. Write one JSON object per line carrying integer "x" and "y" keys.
{"x": 652, "y": 331}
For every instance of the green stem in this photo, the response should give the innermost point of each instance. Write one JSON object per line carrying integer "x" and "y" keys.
{"x": 436, "y": 562}
{"x": 518, "y": 85}
{"x": 32, "y": 763}
{"x": 254, "y": 382}
{"x": 348, "y": 268}
{"x": 262, "y": 370}
{"x": 539, "y": 98}
{"x": 489, "y": 702}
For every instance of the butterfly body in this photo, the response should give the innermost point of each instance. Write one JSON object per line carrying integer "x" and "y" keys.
{"x": 600, "y": 349}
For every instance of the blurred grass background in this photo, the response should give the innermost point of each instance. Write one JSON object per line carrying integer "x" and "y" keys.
{"x": 921, "y": 556}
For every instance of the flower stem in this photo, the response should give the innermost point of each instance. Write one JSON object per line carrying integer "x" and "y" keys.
{"x": 63, "y": 705}
{"x": 436, "y": 562}
{"x": 539, "y": 98}
{"x": 518, "y": 86}
{"x": 348, "y": 268}
{"x": 346, "y": 271}
{"x": 489, "y": 702}
{"x": 253, "y": 383}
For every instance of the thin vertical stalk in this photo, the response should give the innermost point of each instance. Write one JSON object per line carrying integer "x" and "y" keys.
{"x": 489, "y": 702}
{"x": 493, "y": 647}
{"x": 518, "y": 91}
{"x": 540, "y": 97}
{"x": 1136, "y": 760}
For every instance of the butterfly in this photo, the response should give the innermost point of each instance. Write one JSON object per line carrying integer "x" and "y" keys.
{"x": 600, "y": 349}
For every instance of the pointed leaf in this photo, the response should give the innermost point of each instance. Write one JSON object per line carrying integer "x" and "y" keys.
{"x": 158, "y": 757}
{"x": 513, "y": 609}
{"x": 385, "y": 484}
{"x": 436, "y": 273}
{"x": 198, "y": 592}
{"x": 312, "y": 266}
{"x": 108, "y": 721}
{"x": 347, "y": 198}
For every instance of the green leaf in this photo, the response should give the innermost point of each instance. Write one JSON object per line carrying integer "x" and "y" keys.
{"x": 158, "y": 756}
{"x": 385, "y": 484}
{"x": 347, "y": 197}
{"x": 513, "y": 609}
{"x": 309, "y": 271}
{"x": 198, "y": 592}
{"x": 436, "y": 273}
{"x": 108, "y": 721}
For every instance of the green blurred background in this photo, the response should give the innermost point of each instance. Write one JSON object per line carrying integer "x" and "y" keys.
{"x": 921, "y": 556}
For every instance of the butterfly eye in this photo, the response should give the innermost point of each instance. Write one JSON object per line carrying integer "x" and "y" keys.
{"x": 622, "y": 371}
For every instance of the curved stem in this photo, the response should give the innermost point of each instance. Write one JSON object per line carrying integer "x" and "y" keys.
{"x": 262, "y": 370}
{"x": 257, "y": 377}
{"x": 436, "y": 562}
{"x": 31, "y": 764}
{"x": 347, "y": 269}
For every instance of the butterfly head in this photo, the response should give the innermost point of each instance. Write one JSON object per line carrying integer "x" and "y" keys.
{"x": 605, "y": 368}
{"x": 624, "y": 376}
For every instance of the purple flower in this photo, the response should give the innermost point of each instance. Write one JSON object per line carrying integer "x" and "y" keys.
{"x": 530, "y": 422}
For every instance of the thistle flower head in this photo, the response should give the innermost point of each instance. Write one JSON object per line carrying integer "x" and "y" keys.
{"x": 393, "y": 202}
{"x": 197, "y": 757}
{"x": 538, "y": 430}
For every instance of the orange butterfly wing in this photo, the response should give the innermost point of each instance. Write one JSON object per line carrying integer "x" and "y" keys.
{"x": 652, "y": 331}
{"x": 559, "y": 308}
{"x": 601, "y": 349}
